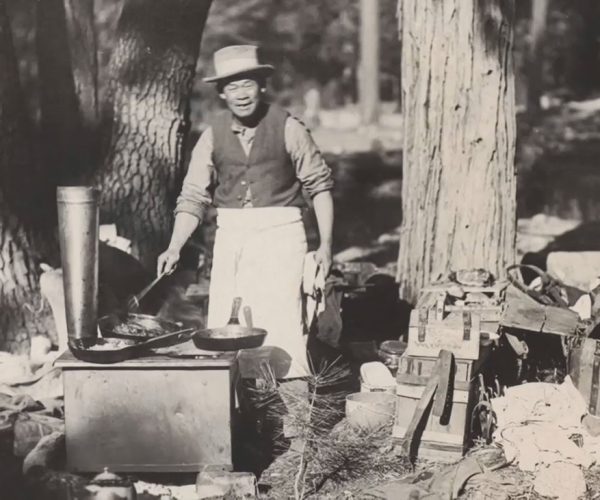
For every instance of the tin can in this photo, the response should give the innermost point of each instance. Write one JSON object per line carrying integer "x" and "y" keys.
{"x": 389, "y": 353}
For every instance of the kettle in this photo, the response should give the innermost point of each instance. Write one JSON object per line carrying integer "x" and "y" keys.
{"x": 109, "y": 486}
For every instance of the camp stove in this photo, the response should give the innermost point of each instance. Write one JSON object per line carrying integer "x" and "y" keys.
{"x": 160, "y": 413}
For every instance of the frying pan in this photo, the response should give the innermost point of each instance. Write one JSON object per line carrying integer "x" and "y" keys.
{"x": 232, "y": 336}
{"x": 108, "y": 326}
{"x": 131, "y": 350}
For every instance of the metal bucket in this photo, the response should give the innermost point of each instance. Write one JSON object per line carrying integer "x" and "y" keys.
{"x": 78, "y": 233}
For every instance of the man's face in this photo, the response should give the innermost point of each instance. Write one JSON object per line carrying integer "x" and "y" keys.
{"x": 242, "y": 96}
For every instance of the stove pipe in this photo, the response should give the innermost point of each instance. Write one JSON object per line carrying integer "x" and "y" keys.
{"x": 78, "y": 233}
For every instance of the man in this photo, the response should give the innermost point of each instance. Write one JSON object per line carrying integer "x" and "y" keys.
{"x": 253, "y": 164}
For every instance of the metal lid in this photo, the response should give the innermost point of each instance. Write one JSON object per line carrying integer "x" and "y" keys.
{"x": 107, "y": 478}
{"x": 76, "y": 194}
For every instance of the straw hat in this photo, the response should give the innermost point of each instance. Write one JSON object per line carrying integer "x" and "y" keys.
{"x": 235, "y": 60}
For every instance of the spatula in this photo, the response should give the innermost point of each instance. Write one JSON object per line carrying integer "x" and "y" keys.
{"x": 134, "y": 302}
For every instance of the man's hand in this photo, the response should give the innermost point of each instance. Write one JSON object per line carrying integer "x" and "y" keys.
{"x": 185, "y": 225}
{"x": 323, "y": 259}
{"x": 167, "y": 261}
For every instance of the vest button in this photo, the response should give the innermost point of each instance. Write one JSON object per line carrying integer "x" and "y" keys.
{"x": 244, "y": 183}
{"x": 239, "y": 197}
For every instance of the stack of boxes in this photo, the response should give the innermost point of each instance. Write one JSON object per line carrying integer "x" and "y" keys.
{"x": 465, "y": 324}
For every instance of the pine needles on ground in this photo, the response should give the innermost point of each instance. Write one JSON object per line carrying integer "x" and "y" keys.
{"x": 325, "y": 450}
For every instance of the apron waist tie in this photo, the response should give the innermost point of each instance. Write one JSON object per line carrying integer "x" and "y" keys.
{"x": 256, "y": 219}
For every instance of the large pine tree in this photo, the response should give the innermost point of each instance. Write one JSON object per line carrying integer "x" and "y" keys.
{"x": 145, "y": 123}
{"x": 458, "y": 195}
{"x": 150, "y": 81}
{"x": 20, "y": 229}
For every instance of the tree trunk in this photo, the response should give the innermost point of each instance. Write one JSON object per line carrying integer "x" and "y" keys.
{"x": 60, "y": 136}
{"x": 586, "y": 53}
{"x": 535, "y": 70}
{"x": 106, "y": 18}
{"x": 369, "y": 61}
{"x": 84, "y": 56}
{"x": 18, "y": 271}
{"x": 151, "y": 72}
{"x": 81, "y": 33}
{"x": 459, "y": 200}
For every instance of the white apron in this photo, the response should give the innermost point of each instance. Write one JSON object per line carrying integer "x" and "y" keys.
{"x": 259, "y": 256}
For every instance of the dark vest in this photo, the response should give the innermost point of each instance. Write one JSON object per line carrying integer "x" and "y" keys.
{"x": 268, "y": 169}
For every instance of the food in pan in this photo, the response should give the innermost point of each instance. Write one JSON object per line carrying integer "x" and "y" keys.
{"x": 135, "y": 327}
{"x": 110, "y": 344}
{"x": 222, "y": 335}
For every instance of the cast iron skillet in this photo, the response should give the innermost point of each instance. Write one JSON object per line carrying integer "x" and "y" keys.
{"x": 232, "y": 336}
{"x": 108, "y": 326}
{"x": 131, "y": 350}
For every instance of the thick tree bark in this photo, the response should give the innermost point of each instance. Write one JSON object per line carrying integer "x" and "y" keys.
{"x": 459, "y": 207}
{"x": 106, "y": 18}
{"x": 151, "y": 72}
{"x": 61, "y": 124}
{"x": 18, "y": 186}
{"x": 84, "y": 56}
{"x": 586, "y": 53}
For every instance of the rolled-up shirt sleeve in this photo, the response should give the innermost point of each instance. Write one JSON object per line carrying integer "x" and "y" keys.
{"x": 195, "y": 194}
{"x": 311, "y": 169}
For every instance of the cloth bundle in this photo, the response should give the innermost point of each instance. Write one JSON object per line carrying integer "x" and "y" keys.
{"x": 322, "y": 302}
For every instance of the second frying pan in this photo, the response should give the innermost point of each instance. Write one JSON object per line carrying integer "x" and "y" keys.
{"x": 232, "y": 336}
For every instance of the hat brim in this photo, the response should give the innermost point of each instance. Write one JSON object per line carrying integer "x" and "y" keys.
{"x": 266, "y": 69}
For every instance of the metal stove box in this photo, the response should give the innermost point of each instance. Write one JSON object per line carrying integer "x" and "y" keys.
{"x": 153, "y": 414}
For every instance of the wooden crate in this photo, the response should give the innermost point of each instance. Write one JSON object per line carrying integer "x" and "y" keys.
{"x": 486, "y": 301}
{"x": 417, "y": 369}
{"x": 442, "y": 322}
{"x": 439, "y": 442}
{"x": 584, "y": 369}
{"x": 522, "y": 312}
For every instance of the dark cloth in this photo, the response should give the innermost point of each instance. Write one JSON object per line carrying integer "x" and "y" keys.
{"x": 328, "y": 324}
{"x": 268, "y": 170}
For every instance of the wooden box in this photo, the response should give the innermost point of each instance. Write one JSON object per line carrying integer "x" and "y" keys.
{"x": 485, "y": 301}
{"x": 154, "y": 414}
{"x": 440, "y": 321}
{"x": 522, "y": 312}
{"x": 439, "y": 442}
{"x": 584, "y": 369}
{"x": 417, "y": 369}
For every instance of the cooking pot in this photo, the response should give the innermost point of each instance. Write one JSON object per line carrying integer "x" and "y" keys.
{"x": 232, "y": 336}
